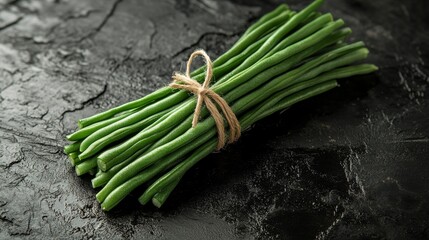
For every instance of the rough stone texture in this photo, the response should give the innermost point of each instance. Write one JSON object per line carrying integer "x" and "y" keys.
{"x": 349, "y": 164}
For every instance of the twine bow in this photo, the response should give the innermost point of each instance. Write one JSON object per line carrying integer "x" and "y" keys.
{"x": 209, "y": 97}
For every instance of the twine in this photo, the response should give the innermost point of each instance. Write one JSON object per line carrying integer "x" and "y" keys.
{"x": 210, "y": 99}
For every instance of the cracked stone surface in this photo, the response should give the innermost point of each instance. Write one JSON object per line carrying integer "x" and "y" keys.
{"x": 351, "y": 163}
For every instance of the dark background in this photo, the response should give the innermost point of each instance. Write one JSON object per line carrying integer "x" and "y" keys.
{"x": 349, "y": 164}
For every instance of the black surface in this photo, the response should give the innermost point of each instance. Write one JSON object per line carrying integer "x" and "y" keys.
{"x": 350, "y": 164}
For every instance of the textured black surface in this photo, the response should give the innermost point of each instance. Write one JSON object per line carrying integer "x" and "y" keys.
{"x": 352, "y": 163}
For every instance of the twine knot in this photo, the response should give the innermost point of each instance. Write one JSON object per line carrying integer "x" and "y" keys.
{"x": 211, "y": 99}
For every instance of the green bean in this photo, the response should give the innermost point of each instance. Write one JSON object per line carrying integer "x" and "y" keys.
{"x": 74, "y": 147}
{"x": 86, "y": 166}
{"x": 86, "y": 131}
{"x": 160, "y": 197}
{"x": 281, "y": 8}
{"x": 351, "y": 57}
{"x": 142, "y": 102}
{"x": 100, "y": 143}
{"x": 74, "y": 158}
{"x": 103, "y": 177}
{"x": 306, "y": 30}
{"x": 310, "y": 18}
{"x": 106, "y": 165}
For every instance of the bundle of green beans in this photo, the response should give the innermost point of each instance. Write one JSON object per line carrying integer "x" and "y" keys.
{"x": 283, "y": 58}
